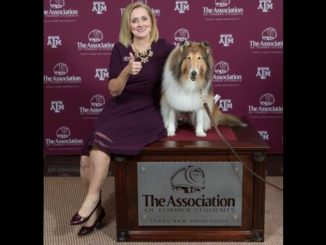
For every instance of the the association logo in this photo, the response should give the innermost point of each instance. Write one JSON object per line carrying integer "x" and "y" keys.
{"x": 96, "y": 102}
{"x": 263, "y": 72}
{"x": 156, "y": 12}
{"x": 265, "y": 5}
{"x": 181, "y": 6}
{"x": 181, "y": 35}
{"x": 95, "y": 36}
{"x": 264, "y": 134}
{"x": 57, "y": 4}
{"x": 269, "y": 34}
{"x": 266, "y": 105}
{"x": 101, "y": 74}
{"x": 60, "y": 76}
{"x": 226, "y": 40}
{"x": 63, "y": 132}
{"x": 267, "y": 99}
{"x": 188, "y": 179}
{"x": 222, "y": 76}
{"x": 57, "y": 9}
{"x": 57, "y": 106}
{"x": 222, "y": 3}
{"x": 54, "y": 41}
{"x": 99, "y": 7}
{"x": 60, "y": 69}
{"x": 63, "y": 138}
{"x": 95, "y": 42}
{"x": 268, "y": 40}
{"x": 222, "y": 8}
{"x": 221, "y": 67}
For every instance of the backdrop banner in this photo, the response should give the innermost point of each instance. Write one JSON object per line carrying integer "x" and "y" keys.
{"x": 246, "y": 38}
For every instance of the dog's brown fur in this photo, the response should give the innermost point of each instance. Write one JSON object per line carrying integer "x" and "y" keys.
{"x": 187, "y": 76}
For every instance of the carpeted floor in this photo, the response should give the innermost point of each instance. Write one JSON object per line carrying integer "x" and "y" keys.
{"x": 63, "y": 195}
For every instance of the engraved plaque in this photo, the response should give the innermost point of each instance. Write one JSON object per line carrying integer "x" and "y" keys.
{"x": 189, "y": 193}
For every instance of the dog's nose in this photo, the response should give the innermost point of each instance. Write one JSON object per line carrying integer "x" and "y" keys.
{"x": 193, "y": 73}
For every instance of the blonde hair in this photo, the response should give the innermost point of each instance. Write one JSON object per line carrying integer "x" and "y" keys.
{"x": 125, "y": 35}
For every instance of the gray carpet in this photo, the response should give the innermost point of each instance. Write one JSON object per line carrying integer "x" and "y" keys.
{"x": 63, "y": 195}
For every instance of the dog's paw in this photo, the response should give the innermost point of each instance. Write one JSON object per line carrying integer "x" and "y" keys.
{"x": 171, "y": 131}
{"x": 200, "y": 134}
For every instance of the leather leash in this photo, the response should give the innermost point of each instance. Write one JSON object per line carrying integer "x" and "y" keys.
{"x": 231, "y": 148}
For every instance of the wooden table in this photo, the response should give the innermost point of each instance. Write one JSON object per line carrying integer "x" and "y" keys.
{"x": 251, "y": 149}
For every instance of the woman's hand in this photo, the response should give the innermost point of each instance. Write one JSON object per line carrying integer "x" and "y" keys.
{"x": 116, "y": 85}
{"x": 134, "y": 66}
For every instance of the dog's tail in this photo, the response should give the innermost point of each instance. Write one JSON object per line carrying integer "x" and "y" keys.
{"x": 229, "y": 120}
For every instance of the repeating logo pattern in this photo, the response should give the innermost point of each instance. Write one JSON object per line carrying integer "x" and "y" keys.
{"x": 226, "y": 40}
{"x": 61, "y": 77}
{"x": 263, "y": 72}
{"x": 264, "y": 134}
{"x": 222, "y": 10}
{"x": 268, "y": 40}
{"x": 246, "y": 38}
{"x": 182, "y": 6}
{"x": 57, "y": 106}
{"x": 54, "y": 41}
{"x": 223, "y": 77}
{"x": 99, "y": 7}
{"x": 265, "y": 5}
{"x": 58, "y": 9}
{"x": 181, "y": 35}
{"x": 101, "y": 74}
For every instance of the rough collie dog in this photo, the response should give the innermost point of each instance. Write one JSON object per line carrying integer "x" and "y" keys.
{"x": 187, "y": 76}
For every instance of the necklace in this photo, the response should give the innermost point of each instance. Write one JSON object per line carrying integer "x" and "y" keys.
{"x": 143, "y": 56}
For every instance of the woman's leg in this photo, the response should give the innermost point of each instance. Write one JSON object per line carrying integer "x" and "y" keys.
{"x": 93, "y": 172}
{"x": 85, "y": 170}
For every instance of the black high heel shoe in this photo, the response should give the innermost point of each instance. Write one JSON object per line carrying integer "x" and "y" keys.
{"x": 77, "y": 219}
{"x": 98, "y": 224}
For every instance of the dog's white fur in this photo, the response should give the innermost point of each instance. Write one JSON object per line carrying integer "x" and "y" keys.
{"x": 182, "y": 91}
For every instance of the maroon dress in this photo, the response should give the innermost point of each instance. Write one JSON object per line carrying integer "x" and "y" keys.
{"x": 132, "y": 119}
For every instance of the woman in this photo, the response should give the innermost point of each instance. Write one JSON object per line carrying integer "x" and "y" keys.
{"x": 131, "y": 119}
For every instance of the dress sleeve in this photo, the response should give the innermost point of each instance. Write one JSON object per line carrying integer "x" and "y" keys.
{"x": 115, "y": 66}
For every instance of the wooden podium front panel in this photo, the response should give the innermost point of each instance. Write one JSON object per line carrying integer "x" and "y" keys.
{"x": 251, "y": 150}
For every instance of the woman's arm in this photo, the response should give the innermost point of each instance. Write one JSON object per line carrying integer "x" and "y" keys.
{"x": 116, "y": 85}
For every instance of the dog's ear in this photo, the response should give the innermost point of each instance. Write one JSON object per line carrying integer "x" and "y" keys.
{"x": 184, "y": 44}
{"x": 206, "y": 46}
